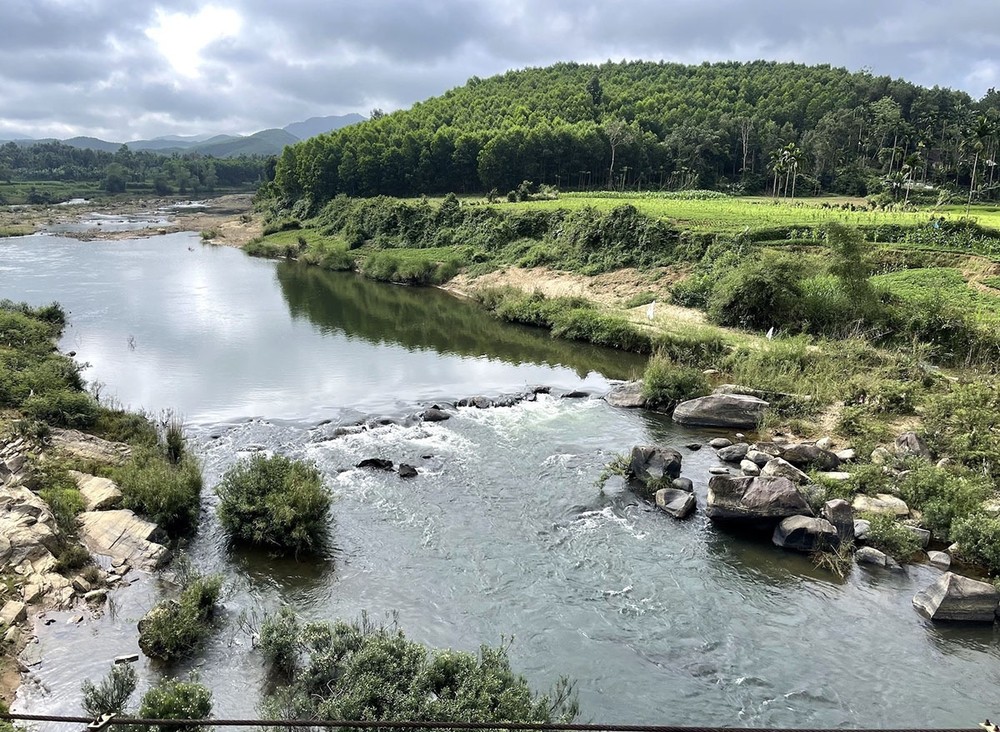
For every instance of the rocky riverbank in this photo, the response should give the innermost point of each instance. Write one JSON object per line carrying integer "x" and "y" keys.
{"x": 44, "y": 566}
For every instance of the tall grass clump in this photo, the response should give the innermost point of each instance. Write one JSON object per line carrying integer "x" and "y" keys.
{"x": 666, "y": 383}
{"x": 275, "y": 503}
{"x": 164, "y": 492}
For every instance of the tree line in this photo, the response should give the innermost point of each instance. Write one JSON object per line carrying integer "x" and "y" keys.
{"x": 760, "y": 127}
{"x": 125, "y": 168}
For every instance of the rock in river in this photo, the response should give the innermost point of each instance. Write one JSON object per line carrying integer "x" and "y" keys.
{"x": 806, "y": 534}
{"x": 721, "y": 410}
{"x": 652, "y": 464}
{"x": 733, "y": 453}
{"x": 679, "y": 504}
{"x": 954, "y": 597}
{"x": 628, "y": 396}
{"x": 755, "y": 501}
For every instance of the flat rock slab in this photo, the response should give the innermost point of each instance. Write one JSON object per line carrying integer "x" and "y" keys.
{"x": 957, "y": 598}
{"x": 123, "y": 537}
{"x": 88, "y": 447}
{"x": 627, "y": 396}
{"x": 99, "y": 494}
{"x": 721, "y": 410}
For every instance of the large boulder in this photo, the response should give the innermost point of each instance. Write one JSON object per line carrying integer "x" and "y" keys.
{"x": 954, "y": 597}
{"x": 99, "y": 494}
{"x": 810, "y": 456}
{"x": 840, "y": 513}
{"x": 759, "y": 501}
{"x": 627, "y": 396}
{"x": 123, "y": 537}
{"x": 679, "y": 504}
{"x": 806, "y": 534}
{"x": 871, "y": 555}
{"x": 653, "y": 467}
{"x": 721, "y": 410}
{"x": 778, "y": 468}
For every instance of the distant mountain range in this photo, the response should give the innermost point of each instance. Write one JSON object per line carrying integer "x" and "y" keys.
{"x": 265, "y": 142}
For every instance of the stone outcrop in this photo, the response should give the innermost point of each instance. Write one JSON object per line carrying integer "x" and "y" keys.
{"x": 759, "y": 501}
{"x": 627, "y": 396}
{"x": 679, "y": 504}
{"x": 99, "y": 494}
{"x": 123, "y": 537}
{"x": 28, "y": 531}
{"x": 88, "y": 447}
{"x": 883, "y": 503}
{"x": 721, "y": 410}
{"x": 957, "y": 598}
{"x": 806, "y": 534}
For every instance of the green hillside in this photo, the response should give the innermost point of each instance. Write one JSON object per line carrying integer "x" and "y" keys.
{"x": 752, "y": 128}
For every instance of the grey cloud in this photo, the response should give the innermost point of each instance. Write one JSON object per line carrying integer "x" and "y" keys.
{"x": 90, "y": 66}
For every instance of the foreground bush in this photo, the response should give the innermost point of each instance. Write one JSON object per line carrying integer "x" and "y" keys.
{"x": 276, "y": 503}
{"x": 112, "y": 694}
{"x": 368, "y": 672}
{"x": 175, "y": 699}
{"x": 174, "y": 629}
{"x": 891, "y": 537}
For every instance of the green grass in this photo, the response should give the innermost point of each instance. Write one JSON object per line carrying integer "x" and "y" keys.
{"x": 20, "y": 192}
{"x": 941, "y": 284}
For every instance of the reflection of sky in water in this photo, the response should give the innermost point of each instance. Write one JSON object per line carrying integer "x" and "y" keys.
{"x": 169, "y": 323}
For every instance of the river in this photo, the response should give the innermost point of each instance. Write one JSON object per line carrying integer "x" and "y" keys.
{"x": 503, "y": 534}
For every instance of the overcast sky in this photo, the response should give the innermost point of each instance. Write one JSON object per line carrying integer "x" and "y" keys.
{"x": 129, "y": 69}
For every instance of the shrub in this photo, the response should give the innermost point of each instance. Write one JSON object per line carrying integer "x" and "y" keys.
{"x": 943, "y": 496}
{"x": 368, "y": 672}
{"x": 119, "y": 425}
{"x": 112, "y": 694}
{"x": 167, "y": 494}
{"x": 761, "y": 292}
{"x": 665, "y": 384}
{"x": 891, "y": 537}
{"x": 62, "y": 408}
{"x": 700, "y": 348}
{"x": 978, "y": 537}
{"x": 174, "y": 699}
{"x": 279, "y": 641}
{"x": 174, "y": 629}
{"x": 275, "y": 503}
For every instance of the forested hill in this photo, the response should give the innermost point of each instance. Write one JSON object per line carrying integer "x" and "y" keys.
{"x": 750, "y": 128}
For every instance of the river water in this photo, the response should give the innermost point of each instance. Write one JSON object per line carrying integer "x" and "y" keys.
{"x": 503, "y": 534}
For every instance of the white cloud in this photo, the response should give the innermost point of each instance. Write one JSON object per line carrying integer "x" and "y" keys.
{"x": 181, "y": 37}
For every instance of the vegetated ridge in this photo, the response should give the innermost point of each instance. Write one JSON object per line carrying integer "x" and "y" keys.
{"x": 743, "y": 127}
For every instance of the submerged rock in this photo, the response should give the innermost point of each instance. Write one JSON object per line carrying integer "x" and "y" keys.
{"x": 375, "y": 463}
{"x": 679, "y": 504}
{"x": 435, "y": 414}
{"x": 721, "y": 410}
{"x": 720, "y": 442}
{"x": 407, "y": 471}
{"x": 954, "y": 597}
